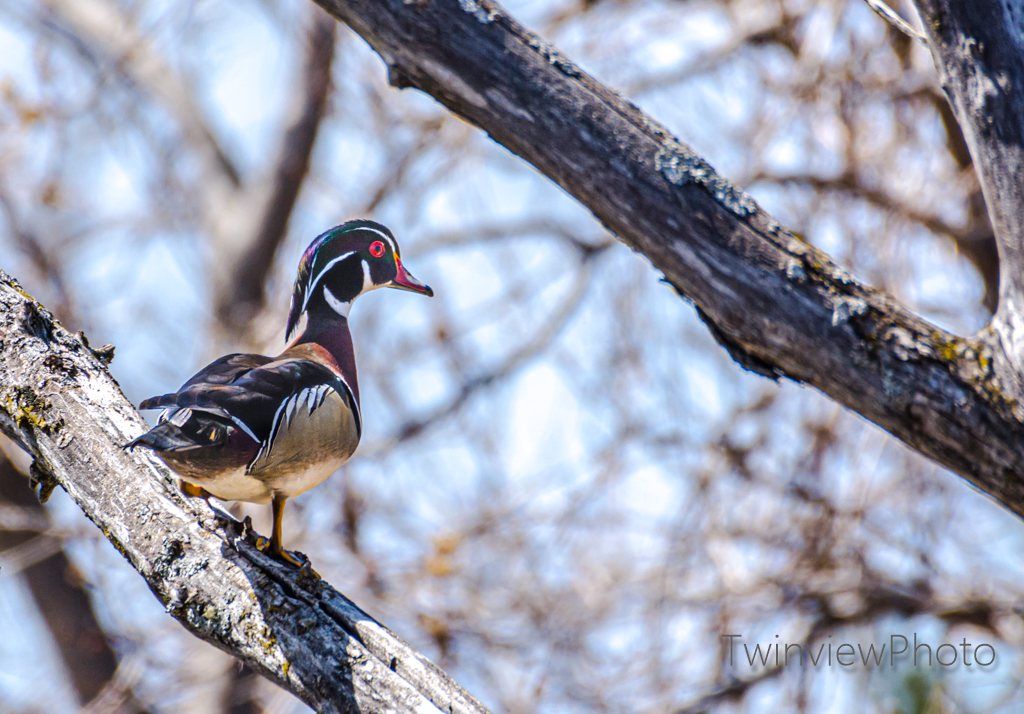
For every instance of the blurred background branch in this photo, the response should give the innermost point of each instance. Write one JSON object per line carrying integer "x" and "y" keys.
{"x": 242, "y": 296}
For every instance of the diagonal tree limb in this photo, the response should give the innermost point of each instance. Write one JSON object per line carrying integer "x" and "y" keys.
{"x": 61, "y": 596}
{"x": 778, "y": 305}
{"x": 58, "y": 401}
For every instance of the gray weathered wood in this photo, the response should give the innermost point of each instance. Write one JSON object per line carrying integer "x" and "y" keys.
{"x": 780, "y": 306}
{"x": 60, "y": 403}
{"x": 978, "y": 49}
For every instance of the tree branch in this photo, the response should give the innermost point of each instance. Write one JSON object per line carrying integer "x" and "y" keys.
{"x": 59, "y": 402}
{"x": 978, "y": 48}
{"x": 780, "y": 306}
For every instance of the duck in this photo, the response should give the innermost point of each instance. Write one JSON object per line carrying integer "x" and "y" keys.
{"x": 261, "y": 429}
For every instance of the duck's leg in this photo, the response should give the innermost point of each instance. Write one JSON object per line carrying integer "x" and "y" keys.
{"x": 190, "y": 489}
{"x": 274, "y": 547}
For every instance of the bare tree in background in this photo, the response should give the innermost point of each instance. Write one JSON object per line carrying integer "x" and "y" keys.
{"x": 568, "y": 492}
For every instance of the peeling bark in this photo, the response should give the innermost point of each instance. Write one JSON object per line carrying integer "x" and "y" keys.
{"x": 780, "y": 306}
{"x": 59, "y": 402}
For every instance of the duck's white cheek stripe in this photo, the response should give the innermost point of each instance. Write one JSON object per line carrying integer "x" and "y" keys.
{"x": 337, "y": 305}
{"x": 312, "y": 285}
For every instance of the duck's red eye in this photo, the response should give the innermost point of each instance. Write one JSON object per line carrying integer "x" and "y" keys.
{"x": 376, "y": 249}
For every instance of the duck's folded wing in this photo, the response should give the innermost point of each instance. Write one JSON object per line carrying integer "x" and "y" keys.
{"x": 257, "y": 401}
{"x": 292, "y": 386}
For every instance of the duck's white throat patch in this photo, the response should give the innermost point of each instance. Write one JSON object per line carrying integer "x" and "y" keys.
{"x": 337, "y": 305}
{"x": 367, "y": 280}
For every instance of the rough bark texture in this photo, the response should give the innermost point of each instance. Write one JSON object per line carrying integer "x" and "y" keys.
{"x": 979, "y": 51}
{"x": 780, "y": 306}
{"x": 60, "y": 403}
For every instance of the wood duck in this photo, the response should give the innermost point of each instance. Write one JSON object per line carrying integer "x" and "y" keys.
{"x": 263, "y": 429}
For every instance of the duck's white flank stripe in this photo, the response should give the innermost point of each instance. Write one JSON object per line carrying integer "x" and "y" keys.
{"x": 242, "y": 425}
{"x": 183, "y": 415}
{"x": 310, "y": 397}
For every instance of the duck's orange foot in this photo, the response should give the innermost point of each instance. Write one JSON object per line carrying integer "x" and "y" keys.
{"x": 275, "y": 551}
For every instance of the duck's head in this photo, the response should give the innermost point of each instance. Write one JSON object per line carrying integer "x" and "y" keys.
{"x": 342, "y": 264}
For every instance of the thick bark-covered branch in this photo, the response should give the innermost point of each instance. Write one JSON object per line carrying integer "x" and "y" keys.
{"x": 975, "y": 242}
{"x": 978, "y": 48}
{"x": 780, "y": 306}
{"x": 59, "y": 402}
